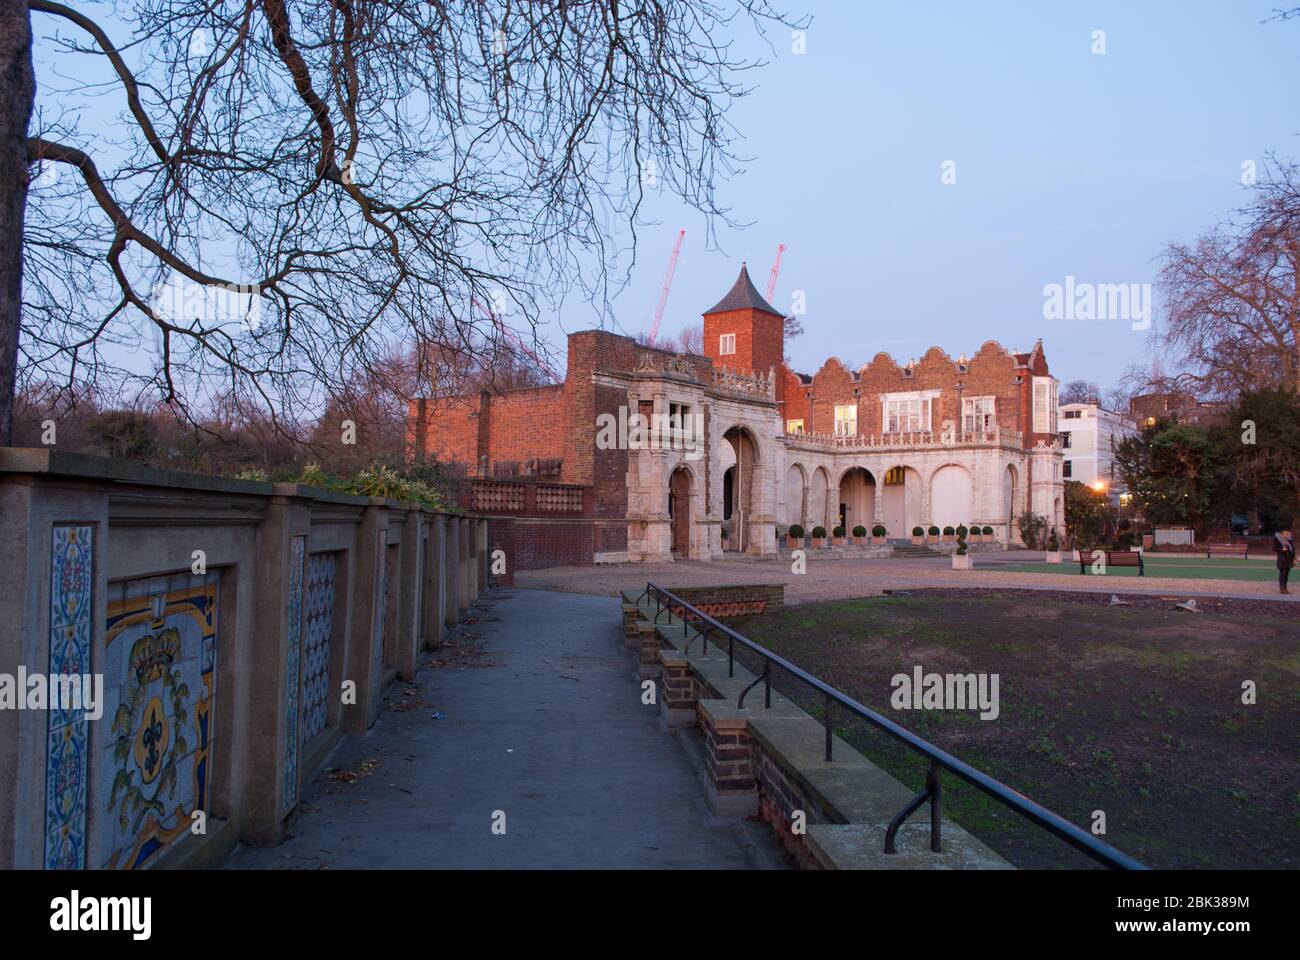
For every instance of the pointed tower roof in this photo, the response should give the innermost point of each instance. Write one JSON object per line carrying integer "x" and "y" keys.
{"x": 742, "y": 296}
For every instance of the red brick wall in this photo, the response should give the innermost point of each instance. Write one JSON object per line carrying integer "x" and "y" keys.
{"x": 526, "y": 424}
{"x": 760, "y": 340}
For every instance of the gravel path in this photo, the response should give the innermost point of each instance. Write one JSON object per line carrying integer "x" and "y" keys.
{"x": 842, "y": 579}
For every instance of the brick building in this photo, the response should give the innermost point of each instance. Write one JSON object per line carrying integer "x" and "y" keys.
{"x": 748, "y": 445}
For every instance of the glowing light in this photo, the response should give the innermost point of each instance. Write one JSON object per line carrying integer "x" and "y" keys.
{"x": 1099, "y": 486}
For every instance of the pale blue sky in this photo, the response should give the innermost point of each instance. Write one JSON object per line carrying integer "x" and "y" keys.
{"x": 1068, "y": 163}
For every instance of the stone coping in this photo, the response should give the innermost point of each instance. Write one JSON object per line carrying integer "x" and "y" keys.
{"x": 44, "y": 461}
{"x": 860, "y": 796}
{"x": 861, "y": 846}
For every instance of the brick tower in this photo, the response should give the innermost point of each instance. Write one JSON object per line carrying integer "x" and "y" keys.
{"x": 744, "y": 332}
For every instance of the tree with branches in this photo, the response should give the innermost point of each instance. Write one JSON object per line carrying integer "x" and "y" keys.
{"x": 1232, "y": 317}
{"x": 286, "y": 191}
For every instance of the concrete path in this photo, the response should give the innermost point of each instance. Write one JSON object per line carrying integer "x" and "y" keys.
{"x": 546, "y": 724}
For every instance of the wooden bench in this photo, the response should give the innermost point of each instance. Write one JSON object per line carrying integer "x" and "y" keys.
{"x": 1226, "y": 550}
{"x": 1114, "y": 558}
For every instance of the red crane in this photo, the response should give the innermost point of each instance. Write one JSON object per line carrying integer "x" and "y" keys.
{"x": 663, "y": 292}
{"x": 516, "y": 342}
{"x": 776, "y": 268}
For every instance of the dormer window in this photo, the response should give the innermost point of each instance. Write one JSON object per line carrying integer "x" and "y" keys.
{"x": 726, "y": 344}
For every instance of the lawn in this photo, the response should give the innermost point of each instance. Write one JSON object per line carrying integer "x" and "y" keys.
{"x": 1179, "y": 567}
{"x": 1135, "y": 711}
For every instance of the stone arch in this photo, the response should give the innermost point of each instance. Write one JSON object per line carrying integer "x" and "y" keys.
{"x": 739, "y": 490}
{"x": 1011, "y": 499}
{"x": 951, "y": 495}
{"x": 796, "y": 487}
{"x": 856, "y": 501}
{"x": 683, "y": 507}
{"x": 818, "y": 500}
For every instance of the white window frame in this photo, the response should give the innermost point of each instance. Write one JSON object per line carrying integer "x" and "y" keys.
{"x": 903, "y": 421}
{"x": 1044, "y": 404}
{"x": 794, "y": 426}
{"x": 988, "y": 417}
{"x": 846, "y": 420}
{"x": 726, "y": 345}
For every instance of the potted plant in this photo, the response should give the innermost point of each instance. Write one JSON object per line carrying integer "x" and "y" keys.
{"x": 918, "y": 536}
{"x": 859, "y": 535}
{"x": 837, "y": 536}
{"x": 1053, "y": 548}
{"x": 932, "y": 533}
{"x": 960, "y": 559}
{"x": 878, "y": 533}
{"x": 949, "y": 534}
{"x": 794, "y": 536}
{"x": 988, "y": 534}
{"x": 819, "y": 537}
{"x": 724, "y": 537}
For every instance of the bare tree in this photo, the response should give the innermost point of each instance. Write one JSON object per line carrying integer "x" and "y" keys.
{"x": 1233, "y": 299}
{"x": 291, "y": 191}
{"x": 1080, "y": 391}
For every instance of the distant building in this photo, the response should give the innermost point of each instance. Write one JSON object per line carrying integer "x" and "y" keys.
{"x": 936, "y": 441}
{"x": 1146, "y": 409}
{"x": 1090, "y": 435}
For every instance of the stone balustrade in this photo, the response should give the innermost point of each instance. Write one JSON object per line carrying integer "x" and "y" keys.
{"x": 1002, "y": 437}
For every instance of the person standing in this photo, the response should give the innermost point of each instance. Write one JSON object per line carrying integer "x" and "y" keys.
{"x": 1284, "y": 547}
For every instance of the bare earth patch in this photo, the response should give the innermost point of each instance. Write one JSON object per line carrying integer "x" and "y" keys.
{"x": 1132, "y": 710}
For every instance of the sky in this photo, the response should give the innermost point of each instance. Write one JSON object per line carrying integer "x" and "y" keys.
{"x": 1067, "y": 163}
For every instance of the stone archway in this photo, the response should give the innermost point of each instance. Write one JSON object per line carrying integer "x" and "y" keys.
{"x": 818, "y": 497}
{"x": 951, "y": 496}
{"x": 1010, "y": 491}
{"x": 679, "y": 510}
{"x": 856, "y": 505}
{"x": 796, "y": 482}
{"x": 738, "y": 488}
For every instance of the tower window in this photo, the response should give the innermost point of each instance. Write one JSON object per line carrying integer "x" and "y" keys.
{"x": 726, "y": 344}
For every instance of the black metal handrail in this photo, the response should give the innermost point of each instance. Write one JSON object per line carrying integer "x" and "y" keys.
{"x": 1035, "y": 813}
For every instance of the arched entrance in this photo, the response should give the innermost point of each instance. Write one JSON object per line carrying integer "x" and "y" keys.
{"x": 857, "y": 502}
{"x": 900, "y": 501}
{"x": 1010, "y": 491}
{"x": 817, "y": 500}
{"x": 679, "y": 510}
{"x": 794, "y": 491}
{"x": 951, "y": 496}
{"x": 737, "y": 488}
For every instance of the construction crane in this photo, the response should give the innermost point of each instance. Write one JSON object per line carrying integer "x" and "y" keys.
{"x": 518, "y": 344}
{"x": 663, "y": 292}
{"x": 776, "y": 268}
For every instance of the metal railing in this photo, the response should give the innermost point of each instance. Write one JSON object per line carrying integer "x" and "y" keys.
{"x": 939, "y": 760}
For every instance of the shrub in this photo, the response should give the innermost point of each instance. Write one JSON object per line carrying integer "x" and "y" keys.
{"x": 860, "y": 531}
{"x": 1052, "y": 542}
{"x": 962, "y": 531}
{"x": 918, "y": 532}
{"x": 934, "y": 531}
{"x": 837, "y": 532}
{"x": 724, "y": 533}
{"x": 819, "y": 533}
{"x": 879, "y": 530}
{"x": 988, "y": 531}
{"x": 796, "y": 531}
{"x": 948, "y": 531}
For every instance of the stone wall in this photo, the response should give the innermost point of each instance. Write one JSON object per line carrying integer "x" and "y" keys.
{"x": 240, "y": 629}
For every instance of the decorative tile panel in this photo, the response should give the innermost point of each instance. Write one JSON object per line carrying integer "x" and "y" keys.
{"x": 153, "y": 747}
{"x": 321, "y": 569}
{"x": 297, "y": 559}
{"x": 72, "y": 572}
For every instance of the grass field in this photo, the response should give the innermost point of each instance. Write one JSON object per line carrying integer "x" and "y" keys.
{"x": 1179, "y": 567}
{"x": 1135, "y": 711}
